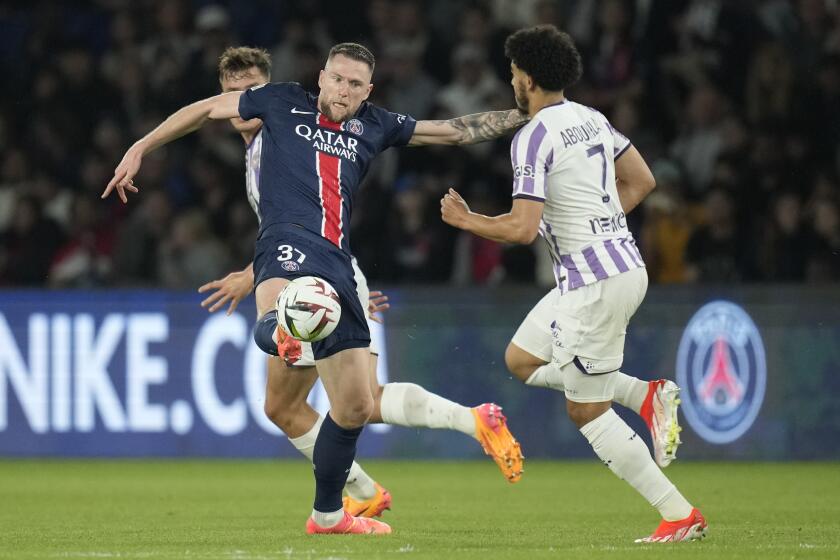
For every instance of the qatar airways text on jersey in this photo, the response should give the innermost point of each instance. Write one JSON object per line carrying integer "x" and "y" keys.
{"x": 309, "y": 166}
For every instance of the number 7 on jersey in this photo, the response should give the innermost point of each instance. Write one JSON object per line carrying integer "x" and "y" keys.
{"x": 599, "y": 149}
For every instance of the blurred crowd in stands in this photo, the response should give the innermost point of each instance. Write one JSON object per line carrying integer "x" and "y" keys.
{"x": 735, "y": 106}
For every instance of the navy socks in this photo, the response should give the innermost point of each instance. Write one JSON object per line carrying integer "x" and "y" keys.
{"x": 335, "y": 449}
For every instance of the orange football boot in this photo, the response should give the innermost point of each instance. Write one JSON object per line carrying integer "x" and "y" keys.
{"x": 493, "y": 434}
{"x": 288, "y": 347}
{"x": 369, "y": 508}
{"x": 350, "y": 526}
{"x": 691, "y": 528}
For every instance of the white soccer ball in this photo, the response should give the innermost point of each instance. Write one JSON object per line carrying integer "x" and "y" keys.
{"x": 308, "y": 309}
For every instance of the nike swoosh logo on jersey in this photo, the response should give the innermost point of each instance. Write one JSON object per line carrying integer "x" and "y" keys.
{"x": 296, "y": 112}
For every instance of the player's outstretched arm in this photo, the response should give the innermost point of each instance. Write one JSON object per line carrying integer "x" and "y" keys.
{"x": 232, "y": 288}
{"x": 634, "y": 179}
{"x": 520, "y": 225}
{"x": 181, "y": 122}
{"x": 469, "y": 129}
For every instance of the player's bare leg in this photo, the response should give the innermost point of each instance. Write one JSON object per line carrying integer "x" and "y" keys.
{"x": 286, "y": 390}
{"x": 655, "y": 401}
{"x": 410, "y": 405}
{"x": 375, "y": 499}
{"x": 520, "y": 363}
{"x": 345, "y": 376}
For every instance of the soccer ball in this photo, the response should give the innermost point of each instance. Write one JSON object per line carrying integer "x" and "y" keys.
{"x": 308, "y": 309}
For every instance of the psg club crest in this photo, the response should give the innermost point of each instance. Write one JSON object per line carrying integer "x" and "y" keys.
{"x": 722, "y": 371}
{"x": 355, "y": 126}
{"x": 290, "y": 266}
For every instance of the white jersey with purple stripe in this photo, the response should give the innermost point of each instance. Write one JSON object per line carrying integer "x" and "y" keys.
{"x": 252, "y": 172}
{"x": 565, "y": 156}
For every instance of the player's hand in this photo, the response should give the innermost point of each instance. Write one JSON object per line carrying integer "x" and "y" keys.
{"x": 454, "y": 209}
{"x": 377, "y": 303}
{"x": 232, "y": 288}
{"x": 124, "y": 174}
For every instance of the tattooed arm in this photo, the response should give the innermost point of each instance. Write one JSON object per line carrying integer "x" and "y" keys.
{"x": 470, "y": 129}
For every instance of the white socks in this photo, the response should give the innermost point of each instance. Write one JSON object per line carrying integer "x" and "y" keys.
{"x": 359, "y": 485}
{"x": 330, "y": 519}
{"x": 623, "y": 451}
{"x": 306, "y": 443}
{"x": 407, "y": 404}
{"x": 629, "y": 391}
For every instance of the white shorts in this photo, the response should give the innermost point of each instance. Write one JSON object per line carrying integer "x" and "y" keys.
{"x": 534, "y": 334}
{"x": 307, "y": 359}
{"x": 582, "y": 332}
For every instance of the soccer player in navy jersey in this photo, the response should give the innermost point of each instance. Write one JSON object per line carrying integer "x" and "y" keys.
{"x": 288, "y": 385}
{"x": 315, "y": 152}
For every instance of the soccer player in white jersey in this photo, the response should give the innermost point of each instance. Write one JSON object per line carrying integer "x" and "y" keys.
{"x": 287, "y": 387}
{"x": 575, "y": 177}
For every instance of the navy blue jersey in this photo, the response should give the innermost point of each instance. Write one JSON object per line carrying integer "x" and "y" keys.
{"x": 310, "y": 167}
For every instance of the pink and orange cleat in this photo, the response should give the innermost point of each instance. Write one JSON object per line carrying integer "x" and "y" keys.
{"x": 288, "y": 347}
{"x": 369, "y": 508}
{"x": 350, "y": 526}
{"x": 493, "y": 434}
{"x": 659, "y": 411}
{"x": 693, "y": 527}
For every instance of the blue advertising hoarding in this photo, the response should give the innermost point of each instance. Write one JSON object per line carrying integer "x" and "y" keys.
{"x": 131, "y": 374}
{"x": 151, "y": 373}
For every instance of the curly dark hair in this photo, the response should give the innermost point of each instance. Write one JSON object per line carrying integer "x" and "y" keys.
{"x": 546, "y": 54}
{"x": 354, "y": 51}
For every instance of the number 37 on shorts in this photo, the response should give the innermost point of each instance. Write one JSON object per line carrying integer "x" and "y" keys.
{"x": 290, "y": 257}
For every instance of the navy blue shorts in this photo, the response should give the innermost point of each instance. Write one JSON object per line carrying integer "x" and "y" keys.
{"x": 289, "y": 251}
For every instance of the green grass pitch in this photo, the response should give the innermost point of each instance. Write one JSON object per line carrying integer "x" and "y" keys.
{"x": 240, "y": 510}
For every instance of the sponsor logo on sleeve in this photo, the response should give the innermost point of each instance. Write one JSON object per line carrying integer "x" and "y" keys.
{"x": 526, "y": 170}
